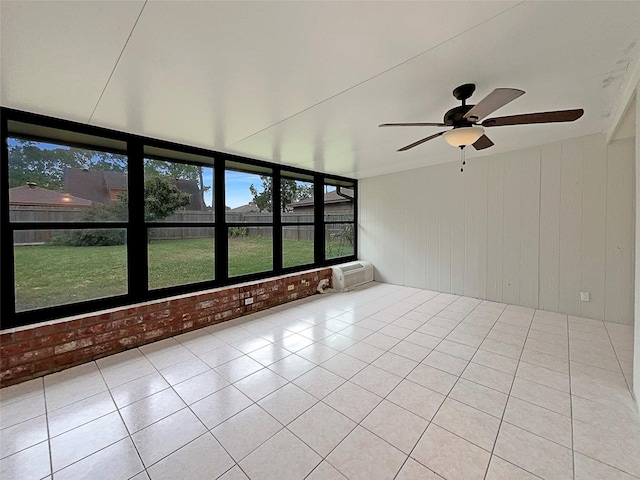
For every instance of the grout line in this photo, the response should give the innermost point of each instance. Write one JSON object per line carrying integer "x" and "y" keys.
{"x": 495, "y": 442}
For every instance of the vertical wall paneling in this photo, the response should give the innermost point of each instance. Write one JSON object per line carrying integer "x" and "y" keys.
{"x": 533, "y": 227}
{"x": 475, "y": 236}
{"x": 411, "y": 218}
{"x": 549, "y": 258}
{"x": 457, "y": 231}
{"x": 445, "y": 175}
{"x": 620, "y": 232}
{"x": 594, "y": 211}
{"x": 495, "y": 230}
{"x": 570, "y": 272}
{"x": 433, "y": 228}
{"x": 529, "y": 227}
{"x": 419, "y": 259}
{"x": 481, "y": 222}
{"x": 511, "y": 227}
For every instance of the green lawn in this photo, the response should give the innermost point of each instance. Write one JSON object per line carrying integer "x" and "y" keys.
{"x": 48, "y": 275}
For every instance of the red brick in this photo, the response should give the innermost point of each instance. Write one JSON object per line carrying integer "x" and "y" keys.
{"x": 31, "y": 356}
{"x": 14, "y": 374}
{"x": 15, "y": 349}
{"x": 73, "y": 345}
{"x": 22, "y": 335}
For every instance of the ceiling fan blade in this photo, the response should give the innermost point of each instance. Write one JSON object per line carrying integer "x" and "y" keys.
{"x": 540, "y": 117}
{"x": 418, "y": 124}
{"x": 415, "y": 144}
{"x": 482, "y": 143}
{"x": 492, "y": 102}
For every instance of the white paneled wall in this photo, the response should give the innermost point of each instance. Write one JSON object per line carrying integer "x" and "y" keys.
{"x": 533, "y": 227}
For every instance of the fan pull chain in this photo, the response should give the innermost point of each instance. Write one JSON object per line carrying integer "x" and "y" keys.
{"x": 462, "y": 159}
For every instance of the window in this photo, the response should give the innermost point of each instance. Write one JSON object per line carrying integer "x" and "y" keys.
{"x": 178, "y": 193}
{"x": 249, "y": 218}
{"x": 94, "y": 219}
{"x": 61, "y": 202}
{"x": 339, "y": 219}
{"x": 298, "y": 230}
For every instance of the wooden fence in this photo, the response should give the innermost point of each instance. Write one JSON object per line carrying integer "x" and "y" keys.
{"x": 292, "y": 230}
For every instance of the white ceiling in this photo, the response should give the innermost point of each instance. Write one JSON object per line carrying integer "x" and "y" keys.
{"x": 307, "y": 83}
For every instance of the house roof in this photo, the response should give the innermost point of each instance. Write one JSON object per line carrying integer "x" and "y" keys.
{"x": 329, "y": 198}
{"x": 34, "y": 195}
{"x": 93, "y": 184}
{"x": 248, "y": 208}
{"x": 97, "y": 184}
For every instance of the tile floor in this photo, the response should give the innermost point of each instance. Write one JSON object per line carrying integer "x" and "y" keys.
{"x": 385, "y": 382}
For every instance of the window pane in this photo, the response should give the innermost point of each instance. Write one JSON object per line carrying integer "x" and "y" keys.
{"x": 297, "y": 200}
{"x": 178, "y": 256}
{"x": 297, "y": 245}
{"x": 338, "y": 203}
{"x": 250, "y": 250}
{"x": 177, "y": 192}
{"x": 56, "y": 267}
{"x": 248, "y": 197}
{"x": 49, "y": 182}
{"x": 339, "y": 239}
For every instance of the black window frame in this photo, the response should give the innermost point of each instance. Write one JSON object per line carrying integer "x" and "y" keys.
{"x": 136, "y": 227}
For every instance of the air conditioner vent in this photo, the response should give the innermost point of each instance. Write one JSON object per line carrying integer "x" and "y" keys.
{"x": 350, "y": 275}
{"x": 351, "y": 266}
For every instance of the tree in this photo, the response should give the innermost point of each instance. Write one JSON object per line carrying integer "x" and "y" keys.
{"x": 183, "y": 171}
{"x": 44, "y": 164}
{"x": 162, "y": 198}
{"x": 291, "y": 191}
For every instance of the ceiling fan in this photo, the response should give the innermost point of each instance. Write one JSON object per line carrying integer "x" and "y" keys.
{"x": 464, "y": 119}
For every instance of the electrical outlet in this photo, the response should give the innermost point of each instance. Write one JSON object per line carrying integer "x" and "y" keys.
{"x": 584, "y": 296}
{"x": 289, "y": 288}
{"x": 248, "y": 301}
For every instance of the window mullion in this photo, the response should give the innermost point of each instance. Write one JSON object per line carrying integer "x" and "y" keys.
{"x": 137, "y": 257}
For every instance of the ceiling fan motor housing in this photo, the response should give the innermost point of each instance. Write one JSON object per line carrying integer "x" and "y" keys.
{"x": 455, "y": 116}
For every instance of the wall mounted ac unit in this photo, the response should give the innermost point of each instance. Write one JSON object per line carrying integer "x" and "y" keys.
{"x": 349, "y": 275}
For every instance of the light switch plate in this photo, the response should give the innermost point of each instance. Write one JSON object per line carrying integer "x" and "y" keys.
{"x": 584, "y": 296}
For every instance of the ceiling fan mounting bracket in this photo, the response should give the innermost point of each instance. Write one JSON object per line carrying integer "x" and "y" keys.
{"x": 464, "y": 91}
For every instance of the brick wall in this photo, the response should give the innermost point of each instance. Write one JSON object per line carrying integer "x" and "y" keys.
{"x": 36, "y": 350}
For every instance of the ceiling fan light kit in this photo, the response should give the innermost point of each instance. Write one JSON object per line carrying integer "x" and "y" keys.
{"x": 463, "y": 136}
{"x": 464, "y": 118}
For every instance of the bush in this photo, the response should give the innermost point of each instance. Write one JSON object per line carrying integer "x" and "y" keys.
{"x": 97, "y": 238}
{"x": 238, "y": 232}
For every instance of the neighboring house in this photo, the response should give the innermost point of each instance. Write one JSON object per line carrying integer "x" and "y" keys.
{"x": 32, "y": 195}
{"x": 333, "y": 202}
{"x": 105, "y": 187}
{"x": 250, "y": 207}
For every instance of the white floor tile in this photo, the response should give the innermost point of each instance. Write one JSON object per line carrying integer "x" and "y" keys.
{"x": 246, "y": 431}
{"x": 397, "y": 426}
{"x": 287, "y": 403}
{"x": 166, "y": 436}
{"x": 533, "y": 453}
{"x": 282, "y": 457}
{"x": 441, "y": 450}
{"x": 362, "y": 455}
{"x": 29, "y": 464}
{"x": 22, "y": 435}
{"x": 202, "y": 458}
{"x": 322, "y": 428}
{"x": 220, "y": 406}
{"x": 118, "y": 461}
{"x": 81, "y": 442}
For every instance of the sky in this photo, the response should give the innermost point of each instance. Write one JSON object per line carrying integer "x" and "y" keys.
{"x": 237, "y": 183}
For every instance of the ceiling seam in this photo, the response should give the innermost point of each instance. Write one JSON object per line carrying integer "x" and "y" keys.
{"x": 381, "y": 73}
{"x": 104, "y": 89}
